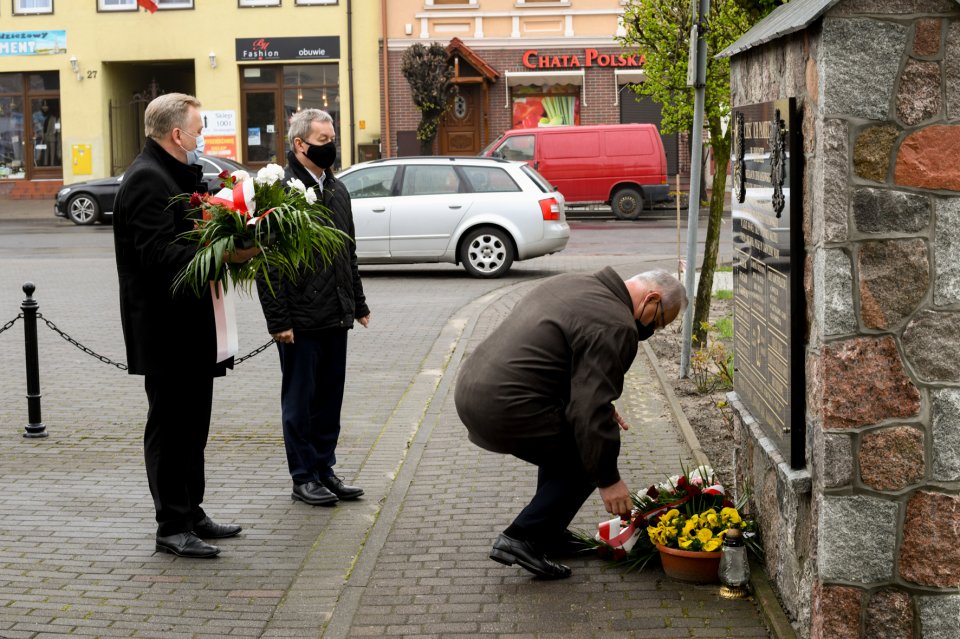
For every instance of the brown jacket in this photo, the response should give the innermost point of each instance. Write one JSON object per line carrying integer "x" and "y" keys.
{"x": 556, "y": 362}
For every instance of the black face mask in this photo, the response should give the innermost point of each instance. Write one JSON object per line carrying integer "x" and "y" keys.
{"x": 323, "y": 155}
{"x": 646, "y": 330}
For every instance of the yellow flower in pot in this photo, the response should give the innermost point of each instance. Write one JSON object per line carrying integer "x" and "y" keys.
{"x": 689, "y": 545}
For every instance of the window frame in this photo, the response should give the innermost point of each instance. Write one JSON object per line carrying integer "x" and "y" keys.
{"x": 316, "y": 3}
{"x": 550, "y": 4}
{"x": 25, "y": 94}
{"x": 453, "y": 4}
{"x": 102, "y": 8}
{"x": 256, "y": 4}
{"x": 29, "y": 12}
{"x": 277, "y": 87}
{"x": 180, "y": 5}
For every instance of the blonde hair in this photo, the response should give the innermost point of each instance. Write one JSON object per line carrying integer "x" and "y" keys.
{"x": 166, "y": 113}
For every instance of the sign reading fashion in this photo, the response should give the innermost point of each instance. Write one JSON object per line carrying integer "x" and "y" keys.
{"x": 307, "y": 48}
{"x": 768, "y": 270}
{"x": 33, "y": 42}
{"x": 589, "y": 58}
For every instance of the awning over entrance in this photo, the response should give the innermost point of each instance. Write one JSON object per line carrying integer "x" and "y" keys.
{"x": 626, "y": 76}
{"x": 516, "y": 78}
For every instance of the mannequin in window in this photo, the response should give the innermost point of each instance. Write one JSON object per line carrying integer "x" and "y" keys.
{"x": 51, "y": 135}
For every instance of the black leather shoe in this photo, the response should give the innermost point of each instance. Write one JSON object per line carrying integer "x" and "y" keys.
{"x": 335, "y": 485}
{"x": 314, "y": 493}
{"x": 209, "y": 529}
{"x": 509, "y": 551}
{"x": 186, "y": 545}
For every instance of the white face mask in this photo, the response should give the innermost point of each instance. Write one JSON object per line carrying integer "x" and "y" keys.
{"x": 193, "y": 156}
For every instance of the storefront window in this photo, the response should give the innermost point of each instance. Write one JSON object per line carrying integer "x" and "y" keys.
{"x": 272, "y": 94}
{"x": 534, "y": 107}
{"x": 262, "y": 124}
{"x": 45, "y": 115}
{"x": 11, "y": 138}
{"x": 38, "y": 82}
{"x": 11, "y": 82}
{"x": 30, "y": 139}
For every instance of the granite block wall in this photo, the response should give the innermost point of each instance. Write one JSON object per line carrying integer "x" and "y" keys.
{"x": 878, "y": 82}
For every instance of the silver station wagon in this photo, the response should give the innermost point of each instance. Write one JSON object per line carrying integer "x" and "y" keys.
{"x": 483, "y": 213}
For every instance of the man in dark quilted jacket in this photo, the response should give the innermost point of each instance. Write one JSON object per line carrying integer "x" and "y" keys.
{"x": 309, "y": 319}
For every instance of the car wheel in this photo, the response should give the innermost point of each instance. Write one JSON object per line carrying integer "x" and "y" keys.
{"x": 83, "y": 209}
{"x": 487, "y": 252}
{"x": 627, "y": 204}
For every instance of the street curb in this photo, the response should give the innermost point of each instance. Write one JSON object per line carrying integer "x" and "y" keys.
{"x": 769, "y": 604}
{"x": 686, "y": 429}
{"x": 773, "y": 615}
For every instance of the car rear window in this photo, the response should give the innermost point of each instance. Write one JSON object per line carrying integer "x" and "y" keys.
{"x": 620, "y": 143}
{"x": 489, "y": 179}
{"x": 538, "y": 179}
{"x": 570, "y": 144}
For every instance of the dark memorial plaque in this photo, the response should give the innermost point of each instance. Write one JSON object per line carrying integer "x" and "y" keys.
{"x": 769, "y": 313}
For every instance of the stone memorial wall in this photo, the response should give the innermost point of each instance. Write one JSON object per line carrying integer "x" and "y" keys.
{"x": 865, "y": 542}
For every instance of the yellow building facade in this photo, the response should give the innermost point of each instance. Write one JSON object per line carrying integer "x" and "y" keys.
{"x": 76, "y": 75}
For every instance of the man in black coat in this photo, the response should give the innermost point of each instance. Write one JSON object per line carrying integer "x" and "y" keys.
{"x": 170, "y": 337}
{"x": 541, "y": 388}
{"x": 310, "y": 318}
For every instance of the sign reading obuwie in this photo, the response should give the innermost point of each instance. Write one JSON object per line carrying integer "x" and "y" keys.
{"x": 305, "y": 48}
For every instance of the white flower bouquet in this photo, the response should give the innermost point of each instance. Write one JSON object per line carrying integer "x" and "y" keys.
{"x": 285, "y": 221}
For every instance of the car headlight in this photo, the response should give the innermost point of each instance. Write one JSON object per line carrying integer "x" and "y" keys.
{"x": 62, "y": 192}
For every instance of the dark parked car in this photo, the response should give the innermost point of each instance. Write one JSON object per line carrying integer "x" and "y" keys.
{"x": 87, "y": 202}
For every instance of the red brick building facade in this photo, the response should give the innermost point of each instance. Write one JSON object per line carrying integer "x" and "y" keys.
{"x": 594, "y": 79}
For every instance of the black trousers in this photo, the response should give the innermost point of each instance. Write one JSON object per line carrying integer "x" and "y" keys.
{"x": 562, "y": 488}
{"x": 178, "y": 422}
{"x": 314, "y": 369}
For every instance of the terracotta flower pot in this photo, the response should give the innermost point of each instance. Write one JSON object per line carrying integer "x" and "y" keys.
{"x": 696, "y": 567}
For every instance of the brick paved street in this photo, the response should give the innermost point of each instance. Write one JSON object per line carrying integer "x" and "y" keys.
{"x": 76, "y": 522}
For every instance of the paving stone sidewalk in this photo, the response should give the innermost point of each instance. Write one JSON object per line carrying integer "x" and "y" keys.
{"x": 432, "y": 576}
{"x": 76, "y": 556}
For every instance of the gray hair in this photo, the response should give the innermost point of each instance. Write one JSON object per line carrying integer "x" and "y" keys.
{"x": 301, "y": 121}
{"x": 670, "y": 288}
{"x": 166, "y": 113}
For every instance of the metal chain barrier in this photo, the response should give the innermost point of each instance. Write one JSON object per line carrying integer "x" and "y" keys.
{"x": 105, "y": 360}
{"x": 253, "y": 353}
{"x": 10, "y": 324}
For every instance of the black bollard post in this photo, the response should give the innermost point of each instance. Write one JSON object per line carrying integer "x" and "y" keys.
{"x": 29, "y": 306}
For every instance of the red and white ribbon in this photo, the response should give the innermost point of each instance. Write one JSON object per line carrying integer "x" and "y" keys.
{"x": 611, "y": 533}
{"x": 240, "y": 198}
{"x": 225, "y": 314}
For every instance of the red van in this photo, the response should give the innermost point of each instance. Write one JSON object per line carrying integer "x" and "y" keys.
{"x": 622, "y": 165}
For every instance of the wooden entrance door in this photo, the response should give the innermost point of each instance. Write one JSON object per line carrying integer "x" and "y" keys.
{"x": 460, "y": 130}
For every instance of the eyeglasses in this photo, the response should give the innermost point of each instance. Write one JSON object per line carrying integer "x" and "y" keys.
{"x": 663, "y": 323}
